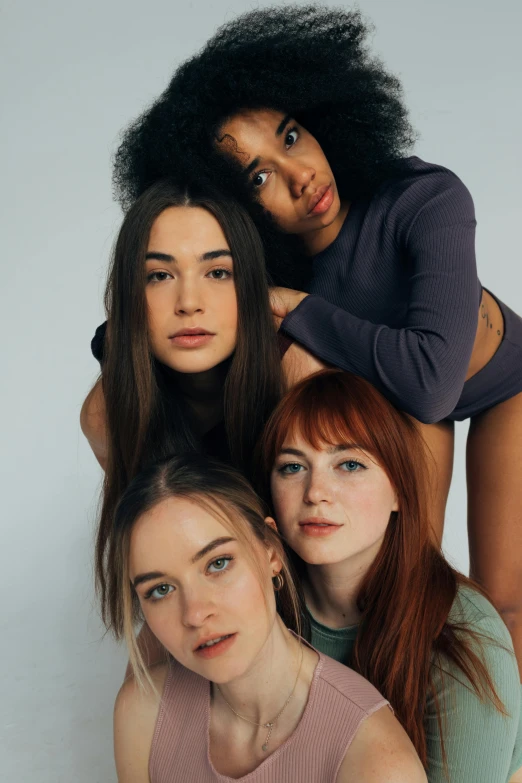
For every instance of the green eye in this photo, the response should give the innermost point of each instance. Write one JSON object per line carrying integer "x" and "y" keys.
{"x": 219, "y": 565}
{"x": 160, "y": 591}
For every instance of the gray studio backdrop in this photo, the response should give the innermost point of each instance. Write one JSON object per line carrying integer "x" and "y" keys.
{"x": 72, "y": 75}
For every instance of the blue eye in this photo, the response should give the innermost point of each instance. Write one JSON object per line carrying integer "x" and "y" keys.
{"x": 352, "y": 465}
{"x": 290, "y": 468}
{"x": 159, "y": 592}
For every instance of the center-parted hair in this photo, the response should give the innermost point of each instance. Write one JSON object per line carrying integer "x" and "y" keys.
{"x": 147, "y": 417}
{"x": 406, "y": 596}
{"x": 223, "y": 492}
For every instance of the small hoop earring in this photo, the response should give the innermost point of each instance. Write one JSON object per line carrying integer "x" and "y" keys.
{"x": 278, "y": 582}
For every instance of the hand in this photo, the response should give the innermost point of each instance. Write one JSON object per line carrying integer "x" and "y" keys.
{"x": 284, "y": 300}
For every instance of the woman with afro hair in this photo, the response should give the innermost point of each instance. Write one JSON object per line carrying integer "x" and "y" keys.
{"x": 372, "y": 251}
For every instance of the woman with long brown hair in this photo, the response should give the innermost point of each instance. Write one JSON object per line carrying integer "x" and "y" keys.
{"x": 190, "y": 358}
{"x": 350, "y": 490}
{"x": 240, "y": 697}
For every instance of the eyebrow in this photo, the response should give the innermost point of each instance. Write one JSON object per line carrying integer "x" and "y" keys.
{"x": 210, "y": 255}
{"x": 331, "y": 450}
{"x": 150, "y": 575}
{"x": 279, "y": 131}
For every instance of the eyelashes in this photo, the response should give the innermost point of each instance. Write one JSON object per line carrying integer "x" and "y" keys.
{"x": 259, "y": 174}
{"x": 353, "y": 466}
{"x": 221, "y": 564}
{"x": 160, "y": 276}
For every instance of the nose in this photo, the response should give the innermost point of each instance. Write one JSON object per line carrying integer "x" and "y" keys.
{"x": 196, "y": 608}
{"x": 301, "y": 175}
{"x": 188, "y": 298}
{"x": 317, "y": 489}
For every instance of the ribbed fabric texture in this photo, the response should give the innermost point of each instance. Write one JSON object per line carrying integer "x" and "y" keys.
{"x": 482, "y": 746}
{"x": 339, "y": 700}
{"x": 395, "y": 297}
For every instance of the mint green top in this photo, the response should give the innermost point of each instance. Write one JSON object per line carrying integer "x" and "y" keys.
{"x": 482, "y": 745}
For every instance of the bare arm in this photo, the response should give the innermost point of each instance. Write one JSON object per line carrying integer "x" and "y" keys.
{"x": 381, "y": 753}
{"x": 93, "y": 423}
{"x": 135, "y": 713}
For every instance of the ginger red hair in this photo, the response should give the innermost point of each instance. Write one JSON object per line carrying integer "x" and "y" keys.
{"x": 406, "y": 596}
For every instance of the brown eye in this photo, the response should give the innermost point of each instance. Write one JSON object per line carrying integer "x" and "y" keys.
{"x": 259, "y": 179}
{"x": 291, "y": 137}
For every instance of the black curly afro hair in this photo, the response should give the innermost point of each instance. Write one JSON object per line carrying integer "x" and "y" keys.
{"x": 309, "y": 62}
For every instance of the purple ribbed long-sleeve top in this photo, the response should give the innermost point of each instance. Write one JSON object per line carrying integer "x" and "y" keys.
{"x": 395, "y": 297}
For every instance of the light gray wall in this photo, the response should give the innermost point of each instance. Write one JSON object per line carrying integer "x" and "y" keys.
{"x": 72, "y": 75}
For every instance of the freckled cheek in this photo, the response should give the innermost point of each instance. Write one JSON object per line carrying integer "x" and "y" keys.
{"x": 287, "y": 502}
{"x": 165, "y": 623}
{"x": 243, "y": 600}
{"x": 368, "y": 513}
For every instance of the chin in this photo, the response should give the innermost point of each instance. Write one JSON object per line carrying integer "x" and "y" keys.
{"x": 192, "y": 365}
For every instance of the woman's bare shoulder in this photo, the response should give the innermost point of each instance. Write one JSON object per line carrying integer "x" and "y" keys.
{"x": 135, "y": 715}
{"x": 381, "y": 752}
{"x": 93, "y": 421}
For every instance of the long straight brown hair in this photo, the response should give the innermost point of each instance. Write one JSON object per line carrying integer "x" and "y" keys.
{"x": 405, "y": 598}
{"x": 147, "y": 418}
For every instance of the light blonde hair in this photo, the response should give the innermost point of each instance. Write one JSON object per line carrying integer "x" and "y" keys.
{"x": 221, "y": 491}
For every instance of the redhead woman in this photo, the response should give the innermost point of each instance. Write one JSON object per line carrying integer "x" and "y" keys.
{"x": 241, "y": 697}
{"x": 350, "y": 492}
{"x": 286, "y": 109}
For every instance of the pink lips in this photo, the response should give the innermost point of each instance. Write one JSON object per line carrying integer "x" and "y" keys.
{"x": 321, "y": 201}
{"x": 227, "y": 640}
{"x": 318, "y": 526}
{"x": 191, "y": 337}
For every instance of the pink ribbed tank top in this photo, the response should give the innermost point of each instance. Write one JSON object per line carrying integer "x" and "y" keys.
{"x": 339, "y": 700}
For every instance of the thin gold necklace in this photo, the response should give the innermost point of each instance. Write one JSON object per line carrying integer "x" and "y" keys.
{"x": 271, "y": 724}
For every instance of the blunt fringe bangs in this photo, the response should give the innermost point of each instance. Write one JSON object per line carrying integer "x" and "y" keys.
{"x": 406, "y": 636}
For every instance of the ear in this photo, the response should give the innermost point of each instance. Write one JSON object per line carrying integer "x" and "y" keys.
{"x": 273, "y": 558}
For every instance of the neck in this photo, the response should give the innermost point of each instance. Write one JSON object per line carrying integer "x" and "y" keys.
{"x": 321, "y": 238}
{"x": 202, "y": 386}
{"x": 260, "y": 693}
{"x": 203, "y": 392}
{"x": 331, "y": 590}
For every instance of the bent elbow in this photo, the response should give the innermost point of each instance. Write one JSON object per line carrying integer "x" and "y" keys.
{"x": 429, "y": 407}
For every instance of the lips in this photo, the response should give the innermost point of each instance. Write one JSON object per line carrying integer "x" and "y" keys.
{"x": 191, "y": 330}
{"x": 191, "y": 337}
{"x": 212, "y": 646}
{"x": 318, "y": 526}
{"x": 316, "y": 198}
{"x": 209, "y": 641}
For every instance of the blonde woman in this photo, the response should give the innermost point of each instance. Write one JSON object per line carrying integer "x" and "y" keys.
{"x": 241, "y": 697}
